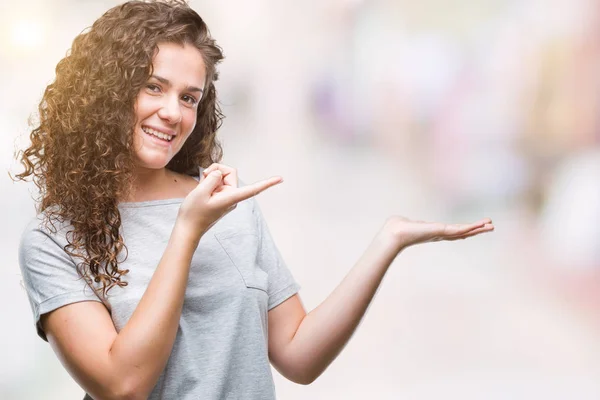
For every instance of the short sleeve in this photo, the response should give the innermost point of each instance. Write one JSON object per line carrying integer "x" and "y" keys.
{"x": 50, "y": 275}
{"x": 282, "y": 284}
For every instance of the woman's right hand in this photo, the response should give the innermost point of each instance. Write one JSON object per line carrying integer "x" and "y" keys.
{"x": 217, "y": 194}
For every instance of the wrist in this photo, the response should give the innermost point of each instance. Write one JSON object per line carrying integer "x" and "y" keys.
{"x": 393, "y": 237}
{"x": 188, "y": 231}
{"x": 388, "y": 240}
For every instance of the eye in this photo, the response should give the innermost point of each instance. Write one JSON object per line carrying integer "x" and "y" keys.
{"x": 190, "y": 100}
{"x": 153, "y": 88}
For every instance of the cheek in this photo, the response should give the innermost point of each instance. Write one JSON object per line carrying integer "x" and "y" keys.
{"x": 143, "y": 106}
{"x": 190, "y": 121}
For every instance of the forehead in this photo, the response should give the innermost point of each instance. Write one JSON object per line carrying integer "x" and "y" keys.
{"x": 180, "y": 63}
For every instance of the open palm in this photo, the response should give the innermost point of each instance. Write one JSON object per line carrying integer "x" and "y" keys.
{"x": 408, "y": 232}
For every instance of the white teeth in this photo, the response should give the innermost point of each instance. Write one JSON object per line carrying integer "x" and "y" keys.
{"x": 161, "y": 135}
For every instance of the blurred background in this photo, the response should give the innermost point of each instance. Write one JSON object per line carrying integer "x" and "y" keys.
{"x": 446, "y": 111}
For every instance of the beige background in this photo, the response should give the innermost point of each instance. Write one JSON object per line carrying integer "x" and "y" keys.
{"x": 437, "y": 110}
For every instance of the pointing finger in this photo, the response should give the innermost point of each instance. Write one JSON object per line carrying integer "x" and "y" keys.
{"x": 252, "y": 190}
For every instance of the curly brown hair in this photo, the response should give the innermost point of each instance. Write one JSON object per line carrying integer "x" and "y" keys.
{"x": 81, "y": 153}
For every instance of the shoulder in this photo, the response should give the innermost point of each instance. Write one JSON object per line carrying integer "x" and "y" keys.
{"x": 45, "y": 225}
{"x": 43, "y": 236}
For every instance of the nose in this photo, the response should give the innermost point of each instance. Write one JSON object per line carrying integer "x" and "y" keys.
{"x": 170, "y": 110}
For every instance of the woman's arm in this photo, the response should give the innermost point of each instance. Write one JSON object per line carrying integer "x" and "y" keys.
{"x": 301, "y": 346}
{"x": 127, "y": 365}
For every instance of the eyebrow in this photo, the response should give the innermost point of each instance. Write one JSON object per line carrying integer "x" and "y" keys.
{"x": 167, "y": 82}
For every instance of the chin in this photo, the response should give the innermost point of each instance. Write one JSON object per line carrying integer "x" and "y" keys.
{"x": 151, "y": 162}
{"x": 152, "y": 157}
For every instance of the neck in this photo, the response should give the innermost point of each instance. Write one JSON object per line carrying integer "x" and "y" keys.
{"x": 147, "y": 182}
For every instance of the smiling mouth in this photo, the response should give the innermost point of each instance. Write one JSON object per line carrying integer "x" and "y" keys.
{"x": 157, "y": 134}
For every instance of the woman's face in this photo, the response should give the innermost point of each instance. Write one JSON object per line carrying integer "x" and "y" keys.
{"x": 166, "y": 106}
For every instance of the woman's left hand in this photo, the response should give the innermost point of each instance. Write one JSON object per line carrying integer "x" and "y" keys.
{"x": 405, "y": 232}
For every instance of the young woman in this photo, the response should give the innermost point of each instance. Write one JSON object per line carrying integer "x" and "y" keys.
{"x": 150, "y": 275}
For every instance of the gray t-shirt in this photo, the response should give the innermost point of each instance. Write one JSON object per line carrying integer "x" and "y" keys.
{"x": 236, "y": 276}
